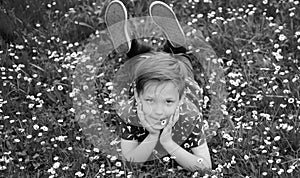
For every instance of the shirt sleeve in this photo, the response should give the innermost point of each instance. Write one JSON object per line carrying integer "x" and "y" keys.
{"x": 197, "y": 136}
{"x": 132, "y": 132}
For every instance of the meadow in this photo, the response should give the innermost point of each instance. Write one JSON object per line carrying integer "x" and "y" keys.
{"x": 56, "y": 115}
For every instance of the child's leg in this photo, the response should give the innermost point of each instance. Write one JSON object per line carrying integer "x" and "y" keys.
{"x": 138, "y": 48}
{"x": 166, "y": 19}
{"x": 169, "y": 48}
{"x": 116, "y": 21}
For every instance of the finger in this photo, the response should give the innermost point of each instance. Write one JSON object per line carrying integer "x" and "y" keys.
{"x": 147, "y": 126}
{"x": 173, "y": 118}
{"x": 170, "y": 123}
{"x": 143, "y": 120}
{"x": 141, "y": 115}
{"x": 168, "y": 128}
{"x": 140, "y": 112}
{"x": 176, "y": 116}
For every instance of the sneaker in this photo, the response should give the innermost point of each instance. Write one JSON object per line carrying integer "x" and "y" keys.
{"x": 116, "y": 21}
{"x": 165, "y": 18}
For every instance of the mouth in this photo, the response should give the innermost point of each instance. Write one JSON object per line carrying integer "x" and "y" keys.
{"x": 161, "y": 122}
{"x": 157, "y": 119}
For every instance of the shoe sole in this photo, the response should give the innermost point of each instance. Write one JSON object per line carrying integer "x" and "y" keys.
{"x": 165, "y": 18}
{"x": 116, "y": 17}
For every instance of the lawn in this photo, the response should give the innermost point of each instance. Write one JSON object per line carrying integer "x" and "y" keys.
{"x": 56, "y": 114}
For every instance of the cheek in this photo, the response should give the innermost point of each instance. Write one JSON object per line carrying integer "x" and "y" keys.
{"x": 147, "y": 109}
{"x": 170, "y": 110}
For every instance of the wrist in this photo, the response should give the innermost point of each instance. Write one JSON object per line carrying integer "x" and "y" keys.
{"x": 168, "y": 144}
{"x": 153, "y": 136}
{"x": 155, "y": 133}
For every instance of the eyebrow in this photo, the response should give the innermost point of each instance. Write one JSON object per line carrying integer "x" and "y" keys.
{"x": 167, "y": 98}
{"x": 171, "y": 98}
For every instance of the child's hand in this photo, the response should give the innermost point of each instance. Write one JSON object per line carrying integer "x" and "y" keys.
{"x": 144, "y": 122}
{"x": 166, "y": 135}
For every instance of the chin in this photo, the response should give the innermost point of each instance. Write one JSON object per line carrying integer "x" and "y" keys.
{"x": 158, "y": 126}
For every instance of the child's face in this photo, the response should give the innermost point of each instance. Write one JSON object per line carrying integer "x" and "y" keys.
{"x": 159, "y": 102}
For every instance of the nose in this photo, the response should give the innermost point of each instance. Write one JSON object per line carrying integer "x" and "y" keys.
{"x": 158, "y": 110}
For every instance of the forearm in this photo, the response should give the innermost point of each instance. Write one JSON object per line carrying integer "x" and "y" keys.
{"x": 142, "y": 152}
{"x": 186, "y": 159}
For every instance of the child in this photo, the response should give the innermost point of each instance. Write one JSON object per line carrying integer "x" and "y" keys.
{"x": 156, "y": 94}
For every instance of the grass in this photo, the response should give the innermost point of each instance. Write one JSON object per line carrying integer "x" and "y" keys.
{"x": 45, "y": 127}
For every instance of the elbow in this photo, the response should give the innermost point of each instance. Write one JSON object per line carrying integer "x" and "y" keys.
{"x": 208, "y": 167}
{"x": 131, "y": 159}
{"x": 205, "y": 165}
{"x": 128, "y": 158}
{"x": 199, "y": 168}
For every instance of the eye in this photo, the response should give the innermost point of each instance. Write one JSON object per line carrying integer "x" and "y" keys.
{"x": 149, "y": 100}
{"x": 170, "y": 101}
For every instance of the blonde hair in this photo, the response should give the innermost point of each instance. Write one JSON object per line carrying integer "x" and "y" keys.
{"x": 160, "y": 67}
